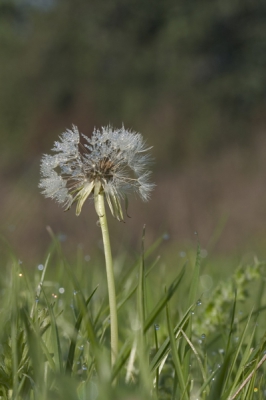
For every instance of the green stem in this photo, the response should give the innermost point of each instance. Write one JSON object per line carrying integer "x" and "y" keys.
{"x": 110, "y": 277}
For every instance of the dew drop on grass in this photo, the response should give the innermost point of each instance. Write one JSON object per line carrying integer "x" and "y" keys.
{"x": 166, "y": 236}
{"x": 84, "y": 367}
{"x": 20, "y": 262}
{"x": 62, "y": 237}
{"x": 199, "y": 302}
{"x": 37, "y": 299}
{"x": 40, "y": 267}
{"x": 203, "y": 336}
{"x": 156, "y": 327}
{"x": 192, "y": 313}
{"x": 75, "y": 292}
{"x": 203, "y": 253}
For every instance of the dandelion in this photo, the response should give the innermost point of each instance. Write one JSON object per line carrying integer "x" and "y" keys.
{"x": 112, "y": 161}
{"x": 109, "y": 165}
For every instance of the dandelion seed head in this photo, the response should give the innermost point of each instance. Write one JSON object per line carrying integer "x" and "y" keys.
{"x": 112, "y": 161}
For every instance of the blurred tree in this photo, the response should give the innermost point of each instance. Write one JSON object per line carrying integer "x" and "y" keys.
{"x": 192, "y": 73}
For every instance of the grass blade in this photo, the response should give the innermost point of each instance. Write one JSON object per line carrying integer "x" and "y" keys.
{"x": 239, "y": 368}
{"x": 165, "y": 347}
{"x": 177, "y": 364}
{"x": 222, "y": 377}
{"x": 71, "y": 352}
{"x": 55, "y": 336}
{"x": 162, "y": 302}
{"x": 141, "y": 288}
{"x": 185, "y": 348}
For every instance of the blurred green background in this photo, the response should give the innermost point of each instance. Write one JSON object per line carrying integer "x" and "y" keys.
{"x": 189, "y": 75}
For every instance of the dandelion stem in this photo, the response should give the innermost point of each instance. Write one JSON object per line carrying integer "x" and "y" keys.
{"x": 110, "y": 277}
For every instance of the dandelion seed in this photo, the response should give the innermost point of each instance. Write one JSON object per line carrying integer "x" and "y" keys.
{"x": 112, "y": 161}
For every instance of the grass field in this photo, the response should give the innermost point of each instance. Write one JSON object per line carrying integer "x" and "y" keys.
{"x": 183, "y": 334}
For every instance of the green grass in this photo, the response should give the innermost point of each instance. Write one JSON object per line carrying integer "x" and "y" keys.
{"x": 176, "y": 340}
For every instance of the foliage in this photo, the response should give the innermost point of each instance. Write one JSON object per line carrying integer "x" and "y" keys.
{"x": 216, "y": 309}
{"x": 198, "y": 66}
{"x": 55, "y": 337}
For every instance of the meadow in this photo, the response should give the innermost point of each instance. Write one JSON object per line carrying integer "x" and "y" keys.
{"x": 183, "y": 333}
